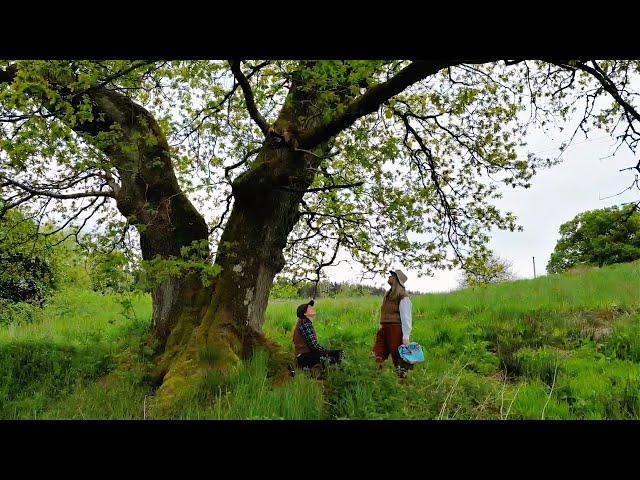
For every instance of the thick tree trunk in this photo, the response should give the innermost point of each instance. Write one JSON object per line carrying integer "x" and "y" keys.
{"x": 198, "y": 328}
{"x": 150, "y": 197}
{"x": 250, "y": 253}
{"x": 175, "y": 225}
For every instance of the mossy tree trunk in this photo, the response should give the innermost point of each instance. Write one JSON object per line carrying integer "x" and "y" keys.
{"x": 200, "y": 328}
{"x": 149, "y": 196}
{"x": 250, "y": 252}
{"x": 197, "y": 328}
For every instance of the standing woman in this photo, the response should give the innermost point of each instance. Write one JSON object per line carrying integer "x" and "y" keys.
{"x": 395, "y": 324}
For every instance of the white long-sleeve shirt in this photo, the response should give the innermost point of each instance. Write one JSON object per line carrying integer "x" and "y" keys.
{"x": 405, "y": 317}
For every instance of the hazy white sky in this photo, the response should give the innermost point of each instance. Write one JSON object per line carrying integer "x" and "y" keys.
{"x": 581, "y": 182}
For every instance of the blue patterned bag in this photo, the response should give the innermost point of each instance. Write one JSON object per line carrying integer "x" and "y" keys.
{"x": 411, "y": 353}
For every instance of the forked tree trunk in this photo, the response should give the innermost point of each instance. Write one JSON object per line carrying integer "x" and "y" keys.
{"x": 250, "y": 253}
{"x": 199, "y": 328}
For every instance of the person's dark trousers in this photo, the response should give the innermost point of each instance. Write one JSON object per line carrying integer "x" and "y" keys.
{"x": 388, "y": 339}
{"x": 314, "y": 358}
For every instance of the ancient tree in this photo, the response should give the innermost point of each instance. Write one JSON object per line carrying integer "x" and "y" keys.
{"x": 299, "y": 161}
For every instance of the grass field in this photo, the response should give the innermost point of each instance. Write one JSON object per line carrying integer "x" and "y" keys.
{"x": 558, "y": 347}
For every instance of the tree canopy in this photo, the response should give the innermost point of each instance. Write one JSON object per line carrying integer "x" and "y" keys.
{"x": 598, "y": 237}
{"x": 417, "y": 149}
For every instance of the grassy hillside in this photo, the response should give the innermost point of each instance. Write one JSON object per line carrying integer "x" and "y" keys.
{"x": 555, "y": 347}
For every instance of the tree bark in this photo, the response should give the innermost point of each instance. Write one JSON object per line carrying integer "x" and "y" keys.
{"x": 201, "y": 329}
{"x": 250, "y": 253}
{"x": 151, "y": 199}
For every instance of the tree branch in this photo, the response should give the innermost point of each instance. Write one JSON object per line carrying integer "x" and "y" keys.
{"x": 224, "y": 214}
{"x": 244, "y": 160}
{"x": 216, "y": 108}
{"x": 8, "y": 206}
{"x": 375, "y": 96}
{"x": 121, "y": 73}
{"x": 324, "y": 189}
{"x": 62, "y": 196}
{"x": 323, "y": 264}
{"x": 248, "y": 97}
{"x": 606, "y": 83}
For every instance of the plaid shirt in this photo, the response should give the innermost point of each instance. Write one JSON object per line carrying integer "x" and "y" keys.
{"x": 309, "y": 335}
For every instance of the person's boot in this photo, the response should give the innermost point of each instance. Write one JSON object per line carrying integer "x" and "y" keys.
{"x": 292, "y": 372}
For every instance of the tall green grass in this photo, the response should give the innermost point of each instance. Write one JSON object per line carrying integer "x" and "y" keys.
{"x": 557, "y": 347}
{"x": 84, "y": 357}
{"x": 50, "y": 366}
{"x": 250, "y": 394}
{"x": 562, "y": 346}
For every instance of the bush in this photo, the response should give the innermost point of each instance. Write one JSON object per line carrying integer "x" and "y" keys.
{"x": 623, "y": 343}
{"x": 484, "y": 272}
{"x": 12, "y": 313}
{"x": 33, "y": 263}
{"x": 24, "y": 278}
{"x": 543, "y": 364}
{"x": 27, "y": 272}
{"x": 283, "y": 289}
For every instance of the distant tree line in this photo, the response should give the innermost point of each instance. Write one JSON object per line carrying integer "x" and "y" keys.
{"x": 285, "y": 288}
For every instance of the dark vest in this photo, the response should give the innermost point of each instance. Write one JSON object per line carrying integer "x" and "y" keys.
{"x": 299, "y": 344}
{"x": 390, "y": 310}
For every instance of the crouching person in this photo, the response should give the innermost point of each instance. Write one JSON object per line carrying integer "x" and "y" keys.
{"x": 309, "y": 353}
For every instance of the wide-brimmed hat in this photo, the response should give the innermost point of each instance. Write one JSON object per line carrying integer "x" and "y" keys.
{"x": 400, "y": 276}
{"x": 303, "y": 308}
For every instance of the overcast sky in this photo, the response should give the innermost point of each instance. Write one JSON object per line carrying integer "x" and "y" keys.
{"x": 581, "y": 182}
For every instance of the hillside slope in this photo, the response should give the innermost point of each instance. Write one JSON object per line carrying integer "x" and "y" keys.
{"x": 557, "y": 347}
